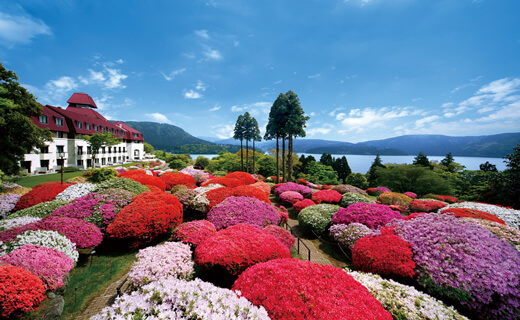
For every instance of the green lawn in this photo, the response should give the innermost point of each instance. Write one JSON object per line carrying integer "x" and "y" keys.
{"x": 31, "y": 181}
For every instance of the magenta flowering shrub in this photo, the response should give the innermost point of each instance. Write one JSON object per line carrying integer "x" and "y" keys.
{"x": 83, "y": 233}
{"x": 372, "y": 215}
{"x": 50, "y": 265}
{"x": 290, "y": 197}
{"x": 281, "y": 234}
{"x": 505, "y": 232}
{"x": 466, "y": 262}
{"x": 119, "y": 197}
{"x": 411, "y": 195}
{"x": 194, "y": 232}
{"x": 235, "y": 210}
{"x": 291, "y": 186}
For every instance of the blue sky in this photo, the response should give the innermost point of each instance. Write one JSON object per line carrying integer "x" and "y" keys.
{"x": 363, "y": 69}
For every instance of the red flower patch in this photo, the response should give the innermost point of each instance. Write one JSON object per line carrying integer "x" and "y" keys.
{"x": 172, "y": 179}
{"x": 473, "y": 213}
{"x": 225, "y": 181}
{"x": 425, "y": 206}
{"x": 43, "y": 192}
{"x": 145, "y": 179}
{"x": 244, "y": 177}
{"x": 326, "y": 196}
{"x": 299, "y": 206}
{"x": 218, "y": 195}
{"x": 20, "y": 291}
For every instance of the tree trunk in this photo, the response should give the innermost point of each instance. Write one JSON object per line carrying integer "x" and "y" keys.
{"x": 289, "y": 160}
{"x": 277, "y": 162}
{"x": 284, "y": 178}
{"x": 247, "y": 156}
{"x": 254, "y": 156}
{"x": 241, "y": 157}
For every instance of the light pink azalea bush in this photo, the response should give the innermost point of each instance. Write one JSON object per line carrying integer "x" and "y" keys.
{"x": 194, "y": 232}
{"x": 290, "y": 197}
{"x": 281, "y": 234}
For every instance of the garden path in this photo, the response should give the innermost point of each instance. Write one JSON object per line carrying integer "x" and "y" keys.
{"x": 316, "y": 255}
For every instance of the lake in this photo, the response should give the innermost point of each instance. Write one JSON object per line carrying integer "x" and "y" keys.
{"x": 361, "y": 163}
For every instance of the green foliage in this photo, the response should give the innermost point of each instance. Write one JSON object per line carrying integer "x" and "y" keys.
{"x": 202, "y": 162}
{"x": 488, "y": 167}
{"x": 99, "y": 140}
{"x": 204, "y": 148}
{"x": 371, "y": 174}
{"x": 510, "y": 189}
{"x": 316, "y": 218}
{"x": 99, "y": 175}
{"x": 71, "y": 169}
{"x": 122, "y": 183}
{"x": 349, "y": 198}
{"x": 40, "y": 210}
{"x": 422, "y": 160}
{"x": 224, "y": 162}
{"x": 447, "y": 160}
{"x": 341, "y": 166}
{"x": 177, "y": 164}
{"x": 477, "y": 185}
{"x": 266, "y": 166}
{"x": 321, "y": 174}
{"x": 357, "y": 180}
{"x": 148, "y": 148}
{"x": 19, "y": 134}
{"x": 326, "y": 159}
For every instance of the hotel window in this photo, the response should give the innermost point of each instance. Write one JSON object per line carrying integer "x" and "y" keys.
{"x": 103, "y": 150}
{"x": 43, "y": 119}
{"x": 88, "y": 126}
{"x": 79, "y": 125}
{"x": 136, "y": 135}
{"x": 80, "y": 150}
{"x": 44, "y": 150}
{"x": 89, "y": 150}
{"x": 103, "y": 161}
{"x": 95, "y": 128}
{"x": 102, "y": 129}
{"x": 59, "y": 149}
{"x": 119, "y": 149}
{"x": 59, "y": 122}
{"x": 59, "y": 134}
{"x": 124, "y": 149}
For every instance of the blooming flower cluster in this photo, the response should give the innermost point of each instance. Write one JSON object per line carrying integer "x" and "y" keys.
{"x": 174, "y": 179}
{"x": 43, "y": 192}
{"x": 348, "y": 235}
{"x": 75, "y": 191}
{"x": 290, "y": 197}
{"x": 384, "y": 254}
{"x": 178, "y": 299}
{"x": 300, "y": 205}
{"x": 377, "y": 191}
{"x": 147, "y": 180}
{"x": 122, "y": 183}
{"x": 195, "y": 173}
{"x": 349, "y": 198}
{"x": 281, "y": 234}
{"x": 7, "y": 203}
{"x": 40, "y": 210}
{"x": 50, "y": 265}
{"x": 244, "y": 177}
{"x": 262, "y": 186}
{"x": 405, "y": 302}
{"x": 82, "y": 233}
{"x": 20, "y": 292}
{"x": 194, "y": 232}
{"x": 218, "y": 195}
{"x": 13, "y": 188}
{"x": 7, "y": 224}
{"x": 464, "y": 261}
{"x": 412, "y": 195}
{"x": 440, "y": 197}
{"x": 472, "y": 213}
{"x": 235, "y": 210}
{"x": 344, "y": 188}
{"x": 225, "y": 181}
{"x": 316, "y": 218}
{"x": 237, "y": 248}
{"x": 170, "y": 259}
{"x": 291, "y": 186}
{"x": 185, "y": 196}
{"x": 327, "y": 196}
{"x": 372, "y": 215}
{"x": 510, "y": 216}
{"x": 118, "y": 197}
{"x": 296, "y": 289}
{"x": 394, "y": 198}
{"x": 425, "y": 206}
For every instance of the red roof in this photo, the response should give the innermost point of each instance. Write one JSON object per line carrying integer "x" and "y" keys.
{"x": 51, "y": 116}
{"x": 131, "y": 130}
{"x": 82, "y": 98}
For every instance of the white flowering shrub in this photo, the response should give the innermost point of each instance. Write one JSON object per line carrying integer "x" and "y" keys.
{"x": 510, "y": 216}
{"x": 317, "y": 218}
{"x": 171, "y": 259}
{"x": 7, "y": 224}
{"x": 40, "y": 210}
{"x": 75, "y": 191}
{"x": 405, "y": 302}
{"x": 174, "y": 298}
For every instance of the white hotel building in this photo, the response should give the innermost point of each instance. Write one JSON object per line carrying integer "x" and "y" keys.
{"x": 67, "y": 124}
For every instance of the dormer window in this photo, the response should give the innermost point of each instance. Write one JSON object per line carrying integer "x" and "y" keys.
{"x": 43, "y": 119}
{"x": 88, "y": 126}
{"x": 59, "y": 122}
{"x": 95, "y": 128}
{"x": 136, "y": 135}
{"x": 79, "y": 124}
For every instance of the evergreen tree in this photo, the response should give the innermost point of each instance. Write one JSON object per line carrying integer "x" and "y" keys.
{"x": 255, "y": 137}
{"x": 247, "y": 134}
{"x": 342, "y": 168}
{"x": 371, "y": 174}
{"x": 511, "y": 179}
{"x": 295, "y": 124}
{"x": 487, "y": 167}
{"x": 422, "y": 160}
{"x": 238, "y": 134}
{"x": 326, "y": 159}
{"x": 274, "y": 127}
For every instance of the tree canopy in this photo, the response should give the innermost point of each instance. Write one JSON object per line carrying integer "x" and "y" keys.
{"x": 99, "y": 140}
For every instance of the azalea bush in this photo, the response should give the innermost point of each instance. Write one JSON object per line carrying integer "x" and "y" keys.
{"x": 281, "y": 234}
{"x": 326, "y": 196}
{"x": 405, "y": 302}
{"x": 425, "y": 205}
{"x": 412, "y": 195}
{"x": 291, "y": 186}
{"x": 349, "y": 198}
{"x": 394, "y": 198}
{"x": 472, "y": 213}
{"x": 50, "y": 265}
{"x": 97, "y": 175}
{"x": 170, "y": 259}
{"x": 235, "y": 210}
{"x": 316, "y": 218}
{"x": 40, "y": 210}
{"x": 194, "y": 232}
{"x": 466, "y": 262}
{"x": 300, "y": 205}
{"x": 372, "y": 215}
{"x": 82, "y": 233}
{"x": 122, "y": 183}
{"x": 145, "y": 179}
{"x": 225, "y": 181}
{"x": 185, "y": 196}
{"x": 443, "y": 198}
{"x": 43, "y": 192}
{"x": 238, "y": 247}
{"x": 180, "y": 299}
{"x": 21, "y": 291}
{"x": 243, "y": 177}
{"x": 218, "y": 195}
{"x": 510, "y": 216}
{"x": 290, "y": 197}
{"x": 262, "y": 186}
{"x": 296, "y": 289}
{"x": 174, "y": 179}
{"x": 75, "y": 191}
{"x": 344, "y": 188}
{"x": 118, "y": 197}
{"x": 502, "y": 231}
{"x": 377, "y": 191}
{"x": 384, "y": 254}
{"x": 7, "y": 203}
{"x": 7, "y": 224}
{"x": 348, "y": 234}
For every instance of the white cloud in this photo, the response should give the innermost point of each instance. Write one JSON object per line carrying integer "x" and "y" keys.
{"x": 192, "y": 95}
{"x": 215, "y": 108}
{"x": 20, "y": 29}
{"x": 447, "y": 105}
{"x": 236, "y": 43}
{"x": 158, "y": 117}
{"x": 173, "y": 74}
{"x": 312, "y": 114}
{"x": 314, "y": 131}
{"x": 120, "y": 61}
{"x": 314, "y": 76}
{"x": 223, "y": 131}
{"x": 237, "y": 109}
{"x": 62, "y": 86}
{"x": 212, "y": 54}
{"x": 361, "y": 120}
{"x": 114, "y": 79}
{"x": 200, "y": 86}
{"x": 341, "y": 116}
{"x": 421, "y": 122}
{"x": 256, "y": 109}
{"x": 333, "y": 112}
{"x": 202, "y": 33}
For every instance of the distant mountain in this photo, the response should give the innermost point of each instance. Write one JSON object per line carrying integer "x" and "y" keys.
{"x": 497, "y": 145}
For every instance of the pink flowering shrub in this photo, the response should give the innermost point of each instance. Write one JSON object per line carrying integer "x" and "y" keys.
{"x": 82, "y": 233}
{"x": 194, "y": 232}
{"x": 326, "y": 196}
{"x": 170, "y": 259}
{"x": 262, "y": 186}
{"x": 372, "y": 215}
{"x": 235, "y": 210}
{"x": 50, "y": 265}
{"x": 237, "y": 248}
{"x": 281, "y": 234}
{"x": 505, "y": 232}
{"x": 290, "y": 197}
{"x": 377, "y": 191}
{"x": 291, "y": 186}
{"x": 300, "y": 205}
{"x": 296, "y": 289}
{"x": 411, "y": 195}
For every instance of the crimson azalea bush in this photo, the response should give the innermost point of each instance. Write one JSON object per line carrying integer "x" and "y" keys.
{"x": 237, "y": 248}
{"x": 20, "y": 291}
{"x": 296, "y": 289}
{"x": 281, "y": 234}
{"x": 440, "y": 197}
{"x": 172, "y": 179}
{"x": 385, "y": 254}
{"x": 425, "y": 206}
{"x": 377, "y": 191}
{"x": 473, "y": 213}
{"x": 300, "y": 205}
{"x": 194, "y": 232}
{"x": 150, "y": 215}
{"x": 49, "y": 264}
{"x": 372, "y": 215}
{"x": 327, "y": 196}
{"x": 235, "y": 210}
{"x": 218, "y": 195}
{"x": 291, "y": 186}
{"x": 244, "y": 177}
{"x": 290, "y": 197}
{"x": 43, "y": 192}
{"x": 225, "y": 181}
{"x": 466, "y": 262}
{"x": 130, "y": 173}
{"x": 147, "y": 180}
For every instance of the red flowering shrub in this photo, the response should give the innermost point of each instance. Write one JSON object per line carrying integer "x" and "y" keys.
{"x": 194, "y": 232}
{"x": 377, "y": 191}
{"x": 290, "y": 197}
{"x": 384, "y": 254}
{"x": 425, "y": 206}
{"x": 302, "y": 181}
{"x": 225, "y": 181}
{"x": 473, "y": 213}
{"x": 20, "y": 291}
{"x": 274, "y": 178}
{"x": 238, "y": 247}
{"x": 146, "y": 180}
{"x": 244, "y": 177}
{"x": 175, "y": 179}
{"x": 414, "y": 215}
{"x": 326, "y": 187}
{"x": 43, "y": 192}
{"x": 129, "y": 173}
{"x": 216, "y": 196}
{"x": 296, "y": 289}
{"x": 440, "y": 197}
{"x": 284, "y": 213}
{"x": 281, "y": 234}
{"x": 150, "y": 214}
{"x": 327, "y": 196}
{"x": 300, "y": 205}
{"x": 262, "y": 186}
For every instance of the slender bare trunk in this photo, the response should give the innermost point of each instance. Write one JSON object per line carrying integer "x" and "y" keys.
{"x": 284, "y": 178}
{"x": 289, "y": 160}
{"x": 247, "y": 155}
{"x": 241, "y": 157}
{"x": 254, "y": 156}
{"x": 277, "y": 161}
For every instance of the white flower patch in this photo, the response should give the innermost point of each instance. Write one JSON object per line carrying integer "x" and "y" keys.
{"x": 17, "y": 222}
{"x": 510, "y": 216}
{"x": 44, "y": 238}
{"x": 75, "y": 191}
